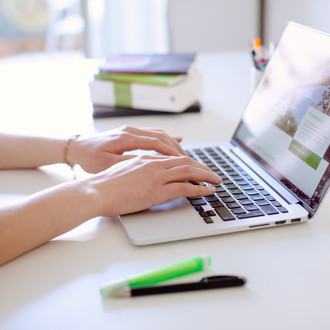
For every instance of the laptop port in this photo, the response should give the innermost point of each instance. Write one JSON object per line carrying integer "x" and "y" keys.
{"x": 295, "y": 220}
{"x": 261, "y": 225}
{"x": 282, "y": 222}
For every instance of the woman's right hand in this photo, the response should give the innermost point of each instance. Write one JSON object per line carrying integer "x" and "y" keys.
{"x": 141, "y": 182}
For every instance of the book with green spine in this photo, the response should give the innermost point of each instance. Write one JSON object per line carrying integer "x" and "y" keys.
{"x": 150, "y": 79}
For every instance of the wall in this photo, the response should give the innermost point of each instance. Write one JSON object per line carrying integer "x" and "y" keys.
{"x": 211, "y": 25}
{"x": 314, "y": 13}
{"x": 195, "y": 25}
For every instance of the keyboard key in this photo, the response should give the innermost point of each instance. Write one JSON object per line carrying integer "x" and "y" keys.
{"x": 276, "y": 203}
{"x": 262, "y": 202}
{"x": 252, "y": 214}
{"x": 236, "y": 191}
{"x": 268, "y": 209}
{"x": 220, "y": 189}
{"x": 210, "y": 213}
{"x": 240, "y": 197}
{"x": 223, "y": 194}
{"x": 242, "y": 172}
{"x": 231, "y": 186}
{"x": 238, "y": 211}
{"x": 199, "y": 208}
{"x": 246, "y": 187}
{"x": 208, "y": 220}
{"x": 232, "y": 172}
{"x": 199, "y": 201}
{"x": 251, "y": 207}
{"x": 246, "y": 202}
{"x": 228, "y": 200}
{"x": 192, "y": 198}
{"x": 227, "y": 181}
{"x": 282, "y": 209}
{"x": 242, "y": 182}
{"x": 237, "y": 178}
{"x": 211, "y": 198}
{"x": 203, "y": 214}
{"x": 224, "y": 214}
{"x": 234, "y": 205}
{"x": 216, "y": 204}
{"x": 257, "y": 197}
{"x": 264, "y": 192}
{"x": 251, "y": 192}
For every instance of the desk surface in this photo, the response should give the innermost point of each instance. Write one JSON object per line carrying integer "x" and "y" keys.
{"x": 57, "y": 285}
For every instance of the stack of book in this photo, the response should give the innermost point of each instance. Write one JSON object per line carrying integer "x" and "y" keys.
{"x": 146, "y": 84}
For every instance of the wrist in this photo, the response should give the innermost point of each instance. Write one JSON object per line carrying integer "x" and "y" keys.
{"x": 103, "y": 195}
{"x": 69, "y": 151}
{"x": 84, "y": 199}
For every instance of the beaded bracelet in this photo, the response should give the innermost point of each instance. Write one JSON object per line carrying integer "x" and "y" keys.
{"x": 66, "y": 148}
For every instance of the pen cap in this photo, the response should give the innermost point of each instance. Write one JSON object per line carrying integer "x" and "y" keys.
{"x": 171, "y": 271}
{"x": 257, "y": 46}
{"x": 112, "y": 286}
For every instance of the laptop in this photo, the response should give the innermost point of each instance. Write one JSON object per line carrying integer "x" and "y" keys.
{"x": 275, "y": 170}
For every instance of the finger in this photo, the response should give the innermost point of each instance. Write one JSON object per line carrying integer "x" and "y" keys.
{"x": 184, "y": 160}
{"x": 149, "y": 143}
{"x": 184, "y": 189}
{"x": 193, "y": 174}
{"x": 158, "y": 134}
{"x": 185, "y": 167}
{"x": 173, "y": 140}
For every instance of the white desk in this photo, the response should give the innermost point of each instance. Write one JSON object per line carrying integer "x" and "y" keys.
{"x": 57, "y": 285}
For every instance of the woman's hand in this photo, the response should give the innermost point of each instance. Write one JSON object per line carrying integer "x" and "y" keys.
{"x": 139, "y": 183}
{"x": 128, "y": 186}
{"x": 99, "y": 152}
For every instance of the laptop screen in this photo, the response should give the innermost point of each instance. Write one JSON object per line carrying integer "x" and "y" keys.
{"x": 286, "y": 126}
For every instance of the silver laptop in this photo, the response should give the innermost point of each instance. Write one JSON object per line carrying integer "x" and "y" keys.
{"x": 275, "y": 170}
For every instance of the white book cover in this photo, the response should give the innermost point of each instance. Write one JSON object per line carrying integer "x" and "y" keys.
{"x": 174, "y": 98}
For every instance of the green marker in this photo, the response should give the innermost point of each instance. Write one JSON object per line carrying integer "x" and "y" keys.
{"x": 158, "y": 274}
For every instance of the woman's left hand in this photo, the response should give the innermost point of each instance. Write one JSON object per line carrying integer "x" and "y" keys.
{"x": 97, "y": 153}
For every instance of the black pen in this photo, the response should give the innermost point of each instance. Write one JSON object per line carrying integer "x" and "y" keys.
{"x": 206, "y": 283}
{"x": 253, "y": 54}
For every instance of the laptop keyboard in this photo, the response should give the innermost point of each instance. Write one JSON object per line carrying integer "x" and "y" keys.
{"x": 238, "y": 196}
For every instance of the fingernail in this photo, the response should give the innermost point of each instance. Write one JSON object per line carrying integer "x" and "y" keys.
{"x": 218, "y": 178}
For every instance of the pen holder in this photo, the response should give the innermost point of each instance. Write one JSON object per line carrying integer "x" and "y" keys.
{"x": 255, "y": 77}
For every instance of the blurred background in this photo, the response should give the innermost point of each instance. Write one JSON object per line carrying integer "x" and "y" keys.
{"x": 99, "y": 28}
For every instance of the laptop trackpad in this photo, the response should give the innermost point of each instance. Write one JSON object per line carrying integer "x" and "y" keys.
{"x": 176, "y": 203}
{"x": 162, "y": 222}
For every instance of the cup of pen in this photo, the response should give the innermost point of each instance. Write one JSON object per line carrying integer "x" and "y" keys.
{"x": 259, "y": 63}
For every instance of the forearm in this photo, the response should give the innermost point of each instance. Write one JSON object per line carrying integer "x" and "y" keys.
{"x": 43, "y": 216}
{"x": 29, "y": 152}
